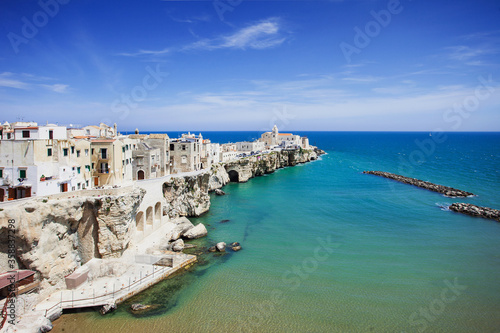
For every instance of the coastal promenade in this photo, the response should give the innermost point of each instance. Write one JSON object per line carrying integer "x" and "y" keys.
{"x": 122, "y": 279}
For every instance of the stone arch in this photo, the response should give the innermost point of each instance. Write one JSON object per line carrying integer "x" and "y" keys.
{"x": 233, "y": 176}
{"x": 158, "y": 211}
{"x": 139, "y": 221}
{"x": 140, "y": 175}
{"x": 149, "y": 215}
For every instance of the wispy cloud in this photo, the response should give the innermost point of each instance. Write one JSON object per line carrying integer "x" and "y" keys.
{"x": 261, "y": 35}
{"x": 465, "y": 53}
{"x": 29, "y": 81}
{"x": 145, "y": 52}
{"x": 7, "y": 80}
{"x": 58, "y": 88}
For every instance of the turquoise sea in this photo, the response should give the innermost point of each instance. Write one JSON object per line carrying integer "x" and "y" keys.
{"x": 329, "y": 249}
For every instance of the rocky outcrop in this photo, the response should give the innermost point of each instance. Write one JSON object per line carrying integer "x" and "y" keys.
{"x": 218, "y": 177}
{"x": 219, "y": 192}
{"x": 197, "y": 232}
{"x": 243, "y": 169}
{"x": 55, "y": 236}
{"x": 447, "y": 191}
{"x": 187, "y": 196}
{"x": 478, "y": 211}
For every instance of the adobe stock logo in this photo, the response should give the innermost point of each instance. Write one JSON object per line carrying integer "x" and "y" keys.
{"x": 29, "y": 29}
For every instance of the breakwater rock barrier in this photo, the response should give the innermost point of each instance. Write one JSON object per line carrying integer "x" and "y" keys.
{"x": 473, "y": 210}
{"x": 445, "y": 190}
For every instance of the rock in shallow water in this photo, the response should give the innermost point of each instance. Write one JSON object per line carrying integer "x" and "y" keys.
{"x": 139, "y": 307}
{"x": 221, "y": 247}
{"x": 220, "y": 192}
{"x": 178, "y": 245}
{"x": 196, "y": 232}
{"x": 107, "y": 308}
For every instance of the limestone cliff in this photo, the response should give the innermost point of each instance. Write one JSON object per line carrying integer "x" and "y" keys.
{"x": 243, "y": 169}
{"x": 56, "y": 235}
{"x": 187, "y": 196}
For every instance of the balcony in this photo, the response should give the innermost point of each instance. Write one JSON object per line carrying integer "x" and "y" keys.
{"x": 103, "y": 170}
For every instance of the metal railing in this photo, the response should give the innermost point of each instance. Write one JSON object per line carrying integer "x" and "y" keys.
{"x": 110, "y": 297}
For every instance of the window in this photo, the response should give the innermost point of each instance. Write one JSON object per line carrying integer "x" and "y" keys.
{"x": 49, "y": 151}
{"x": 73, "y": 168}
{"x": 65, "y": 151}
{"x": 79, "y": 169}
{"x": 72, "y": 150}
{"x": 123, "y": 149}
{"x": 93, "y": 165}
{"x": 26, "y": 134}
{"x": 86, "y": 152}
{"x": 87, "y": 167}
{"x": 153, "y": 158}
{"x": 79, "y": 185}
{"x": 1, "y": 173}
{"x": 183, "y": 147}
{"x": 51, "y": 134}
{"x": 172, "y": 147}
{"x": 22, "y": 173}
{"x": 77, "y": 153}
{"x": 86, "y": 183}
{"x": 104, "y": 168}
{"x": 8, "y": 135}
{"x": 92, "y": 152}
{"x": 104, "y": 153}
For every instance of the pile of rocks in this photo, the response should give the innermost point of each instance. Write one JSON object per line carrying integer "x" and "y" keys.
{"x": 447, "y": 191}
{"x": 473, "y": 210}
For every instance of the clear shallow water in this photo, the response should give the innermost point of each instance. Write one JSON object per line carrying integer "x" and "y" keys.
{"x": 393, "y": 260}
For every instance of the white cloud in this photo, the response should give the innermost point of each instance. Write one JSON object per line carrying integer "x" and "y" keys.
{"x": 58, "y": 88}
{"x": 26, "y": 81}
{"x": 7, "y": 80}
{"x": 262, "y": 35}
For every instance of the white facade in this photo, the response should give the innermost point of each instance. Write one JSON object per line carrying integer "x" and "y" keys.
{"x": 226, "y": 156}
{"x": 254, "y": 146}
{"x": 42, "y": 167}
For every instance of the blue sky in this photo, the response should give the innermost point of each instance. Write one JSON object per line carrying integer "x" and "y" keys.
{"x": 246, "y": 65}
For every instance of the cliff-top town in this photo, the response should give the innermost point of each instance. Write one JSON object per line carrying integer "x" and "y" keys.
{"x": 39, "y": 160}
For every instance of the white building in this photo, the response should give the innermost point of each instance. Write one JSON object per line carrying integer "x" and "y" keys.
{"x": 41, "y": 160}
{"x": 284, "y": 140}
{"x": 247, "y": 146}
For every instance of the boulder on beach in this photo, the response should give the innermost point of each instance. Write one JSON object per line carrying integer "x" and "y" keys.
{"x": 221, "y": 247}
{"x": 196, "y": 232}
{"x": 178, "y": 245}
{"x": 212, "y": 249}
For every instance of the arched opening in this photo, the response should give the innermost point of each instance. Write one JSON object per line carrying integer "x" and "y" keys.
{"x": 158, "y": 211}
{"x": 149, "y": 215}
{"x": 140, "y": 175}
{"x": 233, "y": 176}
{"x": 139, "y": 221}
